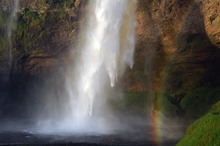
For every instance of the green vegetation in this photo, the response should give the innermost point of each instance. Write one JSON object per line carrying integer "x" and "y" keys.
{"x": 205, "y": 131}
{"x": 162, "y": 103}
{"x": 35, "y": 26}
{"x": 137, "y": 101}
{"x": 132, "y": 102}
{"x": 3, "y": 36}
{"x": 30, "y": 32}
{"x": 192, "y": 103}
{"x": 197, "y": 102}
{"x": 61, "y": 3}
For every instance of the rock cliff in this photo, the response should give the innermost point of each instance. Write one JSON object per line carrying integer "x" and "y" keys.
{"x": 180, "y": 39}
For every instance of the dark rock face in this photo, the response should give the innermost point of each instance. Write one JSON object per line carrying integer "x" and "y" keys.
{"x": 181, "y": 40}
{"x": 44, "y": 28}
{"x": 45, "y": 31}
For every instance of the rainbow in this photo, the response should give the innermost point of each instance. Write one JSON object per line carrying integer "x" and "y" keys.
{"x": 156, "y": 127}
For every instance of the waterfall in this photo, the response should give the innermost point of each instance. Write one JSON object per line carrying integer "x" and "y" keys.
{"x": 10, "y": 19}
{"x": 11, "y": 26}
{"x": 106, "y": 48}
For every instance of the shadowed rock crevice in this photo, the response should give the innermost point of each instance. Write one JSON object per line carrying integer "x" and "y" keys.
{"x": 194, "y": 65}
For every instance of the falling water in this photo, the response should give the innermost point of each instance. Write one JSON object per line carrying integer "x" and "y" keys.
{"x": 10, "y": 8}
{"x": 106, "y": 48}
{"x": 10, "y": 28}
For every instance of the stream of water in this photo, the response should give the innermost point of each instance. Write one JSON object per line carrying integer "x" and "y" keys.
{"x": 11, "y": 26}
{"x": 106, "y": 49}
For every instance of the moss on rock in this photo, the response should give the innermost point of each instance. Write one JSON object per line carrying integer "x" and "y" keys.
{"x": 197, "y": 102}
{"x": 205, "y": 131}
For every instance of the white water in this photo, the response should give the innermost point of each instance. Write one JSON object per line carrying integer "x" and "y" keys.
{"x": 106, "y": 48}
